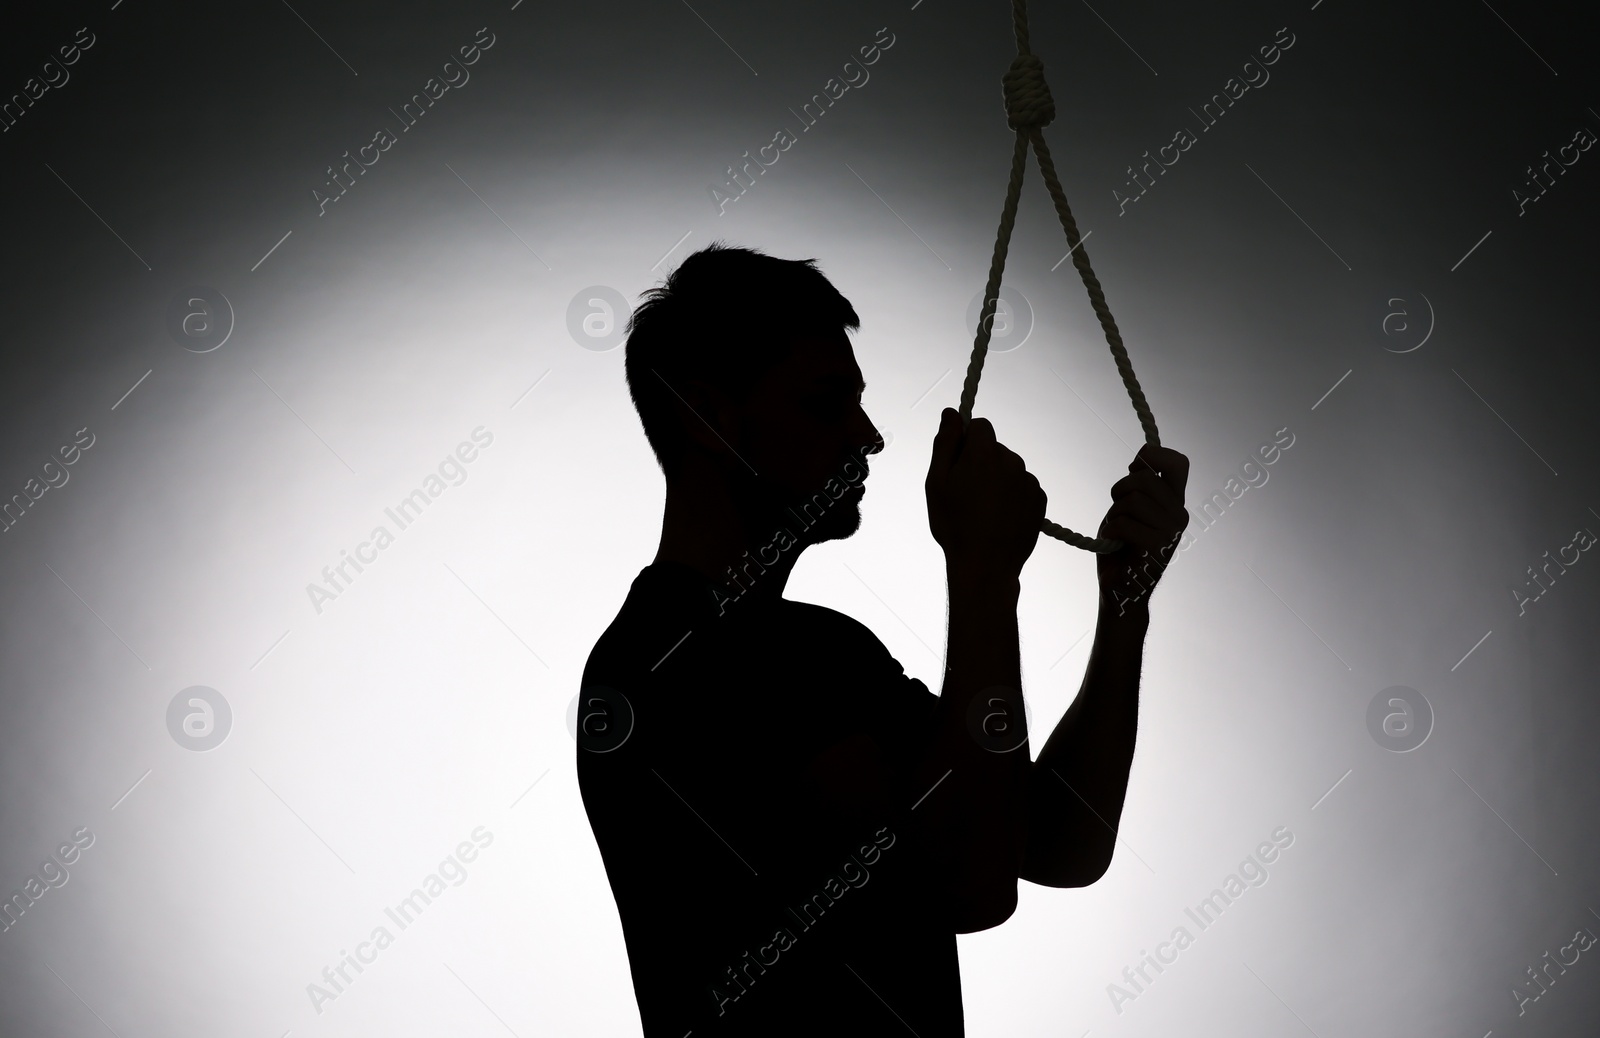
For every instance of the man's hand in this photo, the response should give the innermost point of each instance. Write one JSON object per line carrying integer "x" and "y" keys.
{"x": 1148, "y": 516}
{"x": 984, "y": 506}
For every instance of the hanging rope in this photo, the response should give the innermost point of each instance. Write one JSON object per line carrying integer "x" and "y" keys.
{"x": 1029, "y": 109}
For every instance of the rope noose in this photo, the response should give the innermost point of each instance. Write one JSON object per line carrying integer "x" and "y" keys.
{"x": 1029, "y": 109}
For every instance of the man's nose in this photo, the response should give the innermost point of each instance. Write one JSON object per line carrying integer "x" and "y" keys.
{"x": 873, "y": 441}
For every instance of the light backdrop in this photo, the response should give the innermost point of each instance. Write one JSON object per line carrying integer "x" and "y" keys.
{"x": 1376, "y": 266}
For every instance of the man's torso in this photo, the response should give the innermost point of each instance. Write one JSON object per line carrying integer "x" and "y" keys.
{"x": 741, "y": 789}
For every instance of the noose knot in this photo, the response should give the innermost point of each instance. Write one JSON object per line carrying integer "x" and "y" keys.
{"x": 1028, "y": 100}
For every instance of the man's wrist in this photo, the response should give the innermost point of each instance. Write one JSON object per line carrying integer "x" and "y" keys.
{"x": 1121, "y": 611}
{"x": 972, "y": 578}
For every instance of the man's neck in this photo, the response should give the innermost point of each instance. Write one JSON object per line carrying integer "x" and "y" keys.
{"x": 703, "y": 528}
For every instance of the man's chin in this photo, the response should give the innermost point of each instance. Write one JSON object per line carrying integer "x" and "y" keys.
{"x": 841, "y": 520}
{"x": 813, "y": 519}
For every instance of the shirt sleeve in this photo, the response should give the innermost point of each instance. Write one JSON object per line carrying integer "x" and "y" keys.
{"x": 905, "y": 713}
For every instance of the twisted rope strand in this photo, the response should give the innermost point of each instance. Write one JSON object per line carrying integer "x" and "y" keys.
{"x": 1029, "y": 109}
{"x": 997, "y": 266}
{"x": 1019, "y": 23}
{"x": 1097, "y": 297}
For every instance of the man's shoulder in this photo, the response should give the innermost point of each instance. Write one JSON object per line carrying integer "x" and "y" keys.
{"x": 836, "y": 625}
{"x": 662, "y": 605}
{"x": 672, "y": 613}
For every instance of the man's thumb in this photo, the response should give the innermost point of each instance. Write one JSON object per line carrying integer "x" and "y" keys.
{"x": 947, "y": 443}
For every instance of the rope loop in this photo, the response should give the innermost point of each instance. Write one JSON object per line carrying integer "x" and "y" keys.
{"x": 1029, "y": 108}
{"x": 1028, "y": 100}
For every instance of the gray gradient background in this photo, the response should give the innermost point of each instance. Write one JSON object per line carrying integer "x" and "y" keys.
{"x": 368, "y": 740}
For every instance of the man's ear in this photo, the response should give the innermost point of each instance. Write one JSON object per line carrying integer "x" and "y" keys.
{"x": 711, "y": 421}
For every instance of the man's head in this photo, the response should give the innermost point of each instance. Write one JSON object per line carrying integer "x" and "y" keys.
{"x": 742, "y": 374}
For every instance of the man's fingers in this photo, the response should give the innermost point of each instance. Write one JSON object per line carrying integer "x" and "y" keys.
{"x": 1007, "y": 457}
{"x": 1149, "y": 485}
{"x": 1172, "y": 466}
{"x": 977, "y": 439}
{"x": 1151, "y": 513}
{"x": 981, "y": 431}
{"x": 1129, "y": 530}
{"x": 977, "y": 443}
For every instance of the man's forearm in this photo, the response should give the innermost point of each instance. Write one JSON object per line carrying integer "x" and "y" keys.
{"x": 978, "y": 811}
{"x": 1079, "y": 782}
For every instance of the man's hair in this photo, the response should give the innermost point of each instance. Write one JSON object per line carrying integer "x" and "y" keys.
{"x": 726, "y": 316}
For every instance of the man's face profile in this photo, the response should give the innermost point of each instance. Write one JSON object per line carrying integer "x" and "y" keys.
{"x": 802, "y": 425}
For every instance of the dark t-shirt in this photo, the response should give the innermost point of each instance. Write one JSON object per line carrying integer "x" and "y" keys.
{"x": 761, "y": 890}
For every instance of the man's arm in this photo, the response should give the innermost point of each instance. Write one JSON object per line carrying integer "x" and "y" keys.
{"x": 984, "y": 509}
{"x": 976, "y": 811}
{"x": 990, "y": 813}
{"x": 1077, "y": 786}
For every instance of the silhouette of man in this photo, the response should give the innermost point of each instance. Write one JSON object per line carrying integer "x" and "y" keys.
{"x": 793, "y": 828}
